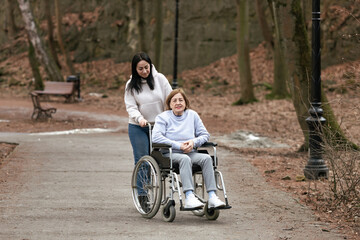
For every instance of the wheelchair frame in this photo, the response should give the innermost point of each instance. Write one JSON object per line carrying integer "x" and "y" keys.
{"x": 151, "y": 175}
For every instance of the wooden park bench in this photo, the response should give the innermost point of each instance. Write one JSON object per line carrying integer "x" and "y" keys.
{"x": 65, "y": 89}
{"x": 40, "y": 112}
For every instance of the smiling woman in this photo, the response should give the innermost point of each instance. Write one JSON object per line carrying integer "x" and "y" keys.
{"x": 184, "y": 131}
{"x": 177, "y": 104}
{"x": 145, "y": 94}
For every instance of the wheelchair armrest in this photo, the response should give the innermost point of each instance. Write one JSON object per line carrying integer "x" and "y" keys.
{"x": 209, "y": 144}
{"x": 160, "y": 145}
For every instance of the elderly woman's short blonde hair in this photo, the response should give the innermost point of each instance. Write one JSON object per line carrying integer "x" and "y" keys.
{"x": 172, "y": 94}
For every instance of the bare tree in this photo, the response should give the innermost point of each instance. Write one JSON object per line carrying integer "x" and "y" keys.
{"x": 58, "y": 17}
{"x": 12, "y": 28}
{"x": 141, "y": 24}
{"x": 51, "y": 40}
{"x": 279, "y": 90}
{"x": 48, "y": 63}
{"x": 34, "y": 64}
{"x": 132, "y": 39}
{"x": 298, "y": 56}
{"x": 158, "y": 33}
{"x": 265, "y": 29}
{"x": 243, "y": 53}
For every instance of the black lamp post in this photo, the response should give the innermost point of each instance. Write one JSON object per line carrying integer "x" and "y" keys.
{"x": 315, "y": 167}
{"x": 175, "y": 84}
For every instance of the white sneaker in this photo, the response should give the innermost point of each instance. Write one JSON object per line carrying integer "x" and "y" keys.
{"x": 192, "y": 202}
{"x": 215, "y": 202}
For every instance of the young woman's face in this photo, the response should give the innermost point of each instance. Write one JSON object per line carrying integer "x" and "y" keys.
{"x": 178, "y": 104}
{"x": 143, "y": 68}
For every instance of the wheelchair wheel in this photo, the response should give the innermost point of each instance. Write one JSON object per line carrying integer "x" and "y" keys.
{"x": 211, "y": 214}
{"x": 146, "y": 186}
{"x": 169, "y": 213}
{"x": 199, "y": 212}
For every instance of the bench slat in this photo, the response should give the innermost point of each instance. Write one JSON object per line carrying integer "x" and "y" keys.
{"x": 57, "y": 88}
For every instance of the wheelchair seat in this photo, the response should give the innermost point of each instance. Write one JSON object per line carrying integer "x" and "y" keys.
{"x": 164, "y": 162}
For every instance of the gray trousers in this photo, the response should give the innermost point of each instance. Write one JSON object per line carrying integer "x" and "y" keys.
{"x": 186, "y": 160}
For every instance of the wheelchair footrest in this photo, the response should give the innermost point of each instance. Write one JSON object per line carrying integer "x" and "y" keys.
{"x": 223, "y": 207}
{"x": 190, "y": 209}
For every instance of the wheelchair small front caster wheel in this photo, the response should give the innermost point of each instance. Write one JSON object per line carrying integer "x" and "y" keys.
{"x": 168, "y": 213}
{"x": 212, "y": 213}
{"x": 198, "y": 213}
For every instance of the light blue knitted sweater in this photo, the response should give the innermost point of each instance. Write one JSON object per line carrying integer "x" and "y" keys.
{"x": 174, "y": 130}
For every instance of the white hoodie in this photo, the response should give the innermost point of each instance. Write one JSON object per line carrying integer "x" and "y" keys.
{"x": 148, "y": 103}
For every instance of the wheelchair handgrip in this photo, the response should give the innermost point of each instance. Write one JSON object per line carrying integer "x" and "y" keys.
{"x": 160, "y": 145}
{"x": 209, "y": 144}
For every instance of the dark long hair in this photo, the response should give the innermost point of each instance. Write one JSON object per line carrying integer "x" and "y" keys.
{"x": 135, "y": 82}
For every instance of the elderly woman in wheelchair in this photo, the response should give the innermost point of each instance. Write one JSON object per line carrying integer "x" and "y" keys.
{"x": 176, "y": 137}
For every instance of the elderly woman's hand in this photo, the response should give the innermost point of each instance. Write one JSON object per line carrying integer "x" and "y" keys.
{"x": 187, "y": 146}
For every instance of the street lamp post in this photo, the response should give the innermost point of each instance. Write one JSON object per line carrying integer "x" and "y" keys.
{"x": 175, "y": 84}
{"x": 315, "y": 167}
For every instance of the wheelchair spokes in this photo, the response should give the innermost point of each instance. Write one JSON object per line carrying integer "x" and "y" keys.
{"x": 146, "y": 187}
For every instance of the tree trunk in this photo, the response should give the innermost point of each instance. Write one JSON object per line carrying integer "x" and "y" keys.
{"x": 297, "y": 52}
{"x": 298, "y": 55}
{"x": 279, "y": 90}
{"x": 141, "y": 24}
{"x": 51, "y": 32}
{"x": 68, "y": 62}
{"x": 158, "y": 34}
{"x": 243, "y": 53}
{"x": 12, "y": 28}
{"x": 49, "y": 64}
{"x": 266, "y": 32}
{"x": 34, "y": 64}
{"x": 132, "y": 34}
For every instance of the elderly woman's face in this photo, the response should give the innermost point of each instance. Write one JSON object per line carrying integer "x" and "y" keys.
{"x": 177, "y": 104}
{"x": 143, "y": 68}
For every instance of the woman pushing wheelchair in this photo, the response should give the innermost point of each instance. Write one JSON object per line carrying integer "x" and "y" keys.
{"x": 182, "y": 129}
{"x": 145, "y": 93}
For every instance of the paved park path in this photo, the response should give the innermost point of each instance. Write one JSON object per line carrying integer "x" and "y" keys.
{"x": 77, "y": 186}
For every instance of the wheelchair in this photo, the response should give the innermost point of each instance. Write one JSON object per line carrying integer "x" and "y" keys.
{"x": 154, "y": 174}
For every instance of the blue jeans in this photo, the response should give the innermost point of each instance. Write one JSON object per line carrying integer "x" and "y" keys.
{"x": 139, "y": 139}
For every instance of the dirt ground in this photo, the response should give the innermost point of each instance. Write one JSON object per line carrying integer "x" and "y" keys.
{"x": 212, "y": 90}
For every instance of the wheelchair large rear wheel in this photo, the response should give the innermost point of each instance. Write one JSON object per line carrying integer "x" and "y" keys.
{"x": 146, "y": 186}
